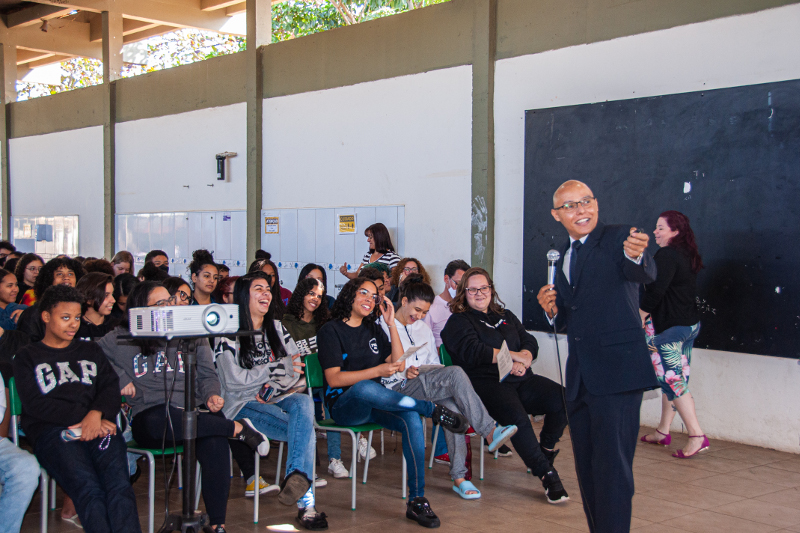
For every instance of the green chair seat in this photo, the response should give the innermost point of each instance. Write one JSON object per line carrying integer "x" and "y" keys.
{"x": 355, "y": 429}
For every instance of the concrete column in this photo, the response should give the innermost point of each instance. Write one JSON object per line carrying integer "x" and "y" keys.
{"x": 483, "y": 60}
{"x": 112, "y": 66}
{"x": 8, "y": 81}
{"x": 259, "y": 34}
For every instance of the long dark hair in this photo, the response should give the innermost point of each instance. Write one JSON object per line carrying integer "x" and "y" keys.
{"x": 343, "y": 306}
{"x": 381, "y": 237}
{"x": 263, "y": 259}
{"x": 684, "y": 240}
{"x": 241, "y": 297}
{"x": 414, "y": 287}
{"x": 92, "y": 287}
{"x": 295, "y": 308}
{"x": 138, "y": 298}
{"x": 460, "y": 304}
{"x": 309, "y": 268}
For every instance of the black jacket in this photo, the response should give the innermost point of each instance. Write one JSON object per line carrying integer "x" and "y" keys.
{"x": 470, "y": 339}
{"x": 671, "y": 298}
{"x": 607, "y": 347}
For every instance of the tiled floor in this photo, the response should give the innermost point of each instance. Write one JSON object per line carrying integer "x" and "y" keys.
{"x": 731, "y": 488}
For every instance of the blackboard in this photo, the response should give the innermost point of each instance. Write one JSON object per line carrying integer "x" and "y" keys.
{"x": 729, "y": 159}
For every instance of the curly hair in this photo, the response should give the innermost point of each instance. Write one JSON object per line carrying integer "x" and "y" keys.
{"x": 459, "y": 303}
{"x": 47, "y": 274}
{"x": 201, "y": 259}
{"x": 397, "y": 271}
{"x": 98, "y": 265}
{"x": 295, "y": 308}
{"x": 684, "y": 240}
{"x": 57, "y": 294}
{"x": 343, "y": 306}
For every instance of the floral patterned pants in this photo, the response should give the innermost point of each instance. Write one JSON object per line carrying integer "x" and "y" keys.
{"x": 671, "y": 354}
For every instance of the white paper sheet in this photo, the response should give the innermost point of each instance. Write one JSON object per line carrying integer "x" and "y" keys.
{"x": 504, "y": 362}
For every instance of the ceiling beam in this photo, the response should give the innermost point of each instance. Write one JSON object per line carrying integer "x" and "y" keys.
{"x": 211, "y": 5}
{"x": 34, "y": 14}
{"x": 236, "y": 9}
{"x": 129, "y": 26}
{"x": 29, "y": 56}
{"x": 64, "y": 37}
{"x": 145, "y": 34}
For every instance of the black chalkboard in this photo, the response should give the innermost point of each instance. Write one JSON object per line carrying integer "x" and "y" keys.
{"x": 729, "y": 159}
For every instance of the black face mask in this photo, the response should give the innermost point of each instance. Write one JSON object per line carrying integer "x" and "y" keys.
{"x": 165, "y": 268}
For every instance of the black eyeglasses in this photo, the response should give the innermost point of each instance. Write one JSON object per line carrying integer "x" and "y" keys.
{"x": 571, "y": 206}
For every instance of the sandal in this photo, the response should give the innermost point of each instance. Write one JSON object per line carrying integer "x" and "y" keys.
{"x": 466, "y": 486}
{"x": 667, "y": 438}
{"x": 501, "y": 435}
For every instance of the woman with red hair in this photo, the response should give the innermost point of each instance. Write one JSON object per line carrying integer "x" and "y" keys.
{"x": 670, "y": 303}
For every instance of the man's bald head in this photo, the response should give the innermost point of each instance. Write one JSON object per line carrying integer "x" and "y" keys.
{"x": 569, "y": 187}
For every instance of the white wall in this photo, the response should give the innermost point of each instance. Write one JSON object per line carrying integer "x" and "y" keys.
{"x": 741, "y": 397}
{"x": 157, "y": 157}
{"x": 400, "y": 141}
{"x": 61, "y": 174}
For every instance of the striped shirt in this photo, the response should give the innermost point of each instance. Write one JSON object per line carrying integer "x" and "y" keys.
{"x": 389, "y": 258}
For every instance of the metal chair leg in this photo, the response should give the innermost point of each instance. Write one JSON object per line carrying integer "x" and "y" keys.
{"x": 366, "y": 461}
{"x": 180, "y": 472}
{"x": 353, "y": 474}
{"x": 44, "y": 482}
{"x": 197, "y": 488}
{"x": 52, "y": 494}
{"x": 151, "y": 490}
{"x": 257, "y": 487}
{"x": 482, "y": 454}
{"x": 433, "y": 447}
{"x": 405, "y": 478}
{"x": 280, "y": 464}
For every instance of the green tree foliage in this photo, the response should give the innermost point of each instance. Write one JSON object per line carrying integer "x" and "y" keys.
{"x": 290, "y": 19}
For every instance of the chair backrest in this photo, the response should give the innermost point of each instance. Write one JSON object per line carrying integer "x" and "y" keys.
{"x": 313, "y": 371}
{"x": 16, "y": 404}
{"x": 444, "y": 357}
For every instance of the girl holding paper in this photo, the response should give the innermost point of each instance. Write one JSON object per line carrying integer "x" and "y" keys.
{"x": 426, "y": 379}
{"x": 474, "y": 336}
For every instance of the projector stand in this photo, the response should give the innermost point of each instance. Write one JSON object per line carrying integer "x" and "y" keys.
{"x": 190, "y": 520}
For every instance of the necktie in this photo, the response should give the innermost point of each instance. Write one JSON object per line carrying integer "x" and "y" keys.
{"x": 573, "y": 262}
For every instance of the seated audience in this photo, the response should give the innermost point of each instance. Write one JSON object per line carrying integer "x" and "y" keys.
{"x": 406, "y": 267}
{"x": 97, "y": 289}
{"x": 260, "y": 377}
{"x": 354, "y": 354}
{"x": 280, "y": 294}
{"x": 150, "y": 272}
{"x": 9, "y": 308}
{"x": 159, "y": 258}
{"x": 98, "y": 265}
{"x": 58, "y": 271}
{"x": 312, "y": 270}
{"x": 179, "y": 290}
{"x": 142, "y": 365}
{"x": 224, "y": 291}
{"x": 70, "y": 400}
{"x": 473, "y": 336}
{"x": 27, "y": 269}
{"x": 204, "y": 277}
{"x": 123, "y": 285}
{"x": 122, "y": 262}
{"x": 6, "y": 249}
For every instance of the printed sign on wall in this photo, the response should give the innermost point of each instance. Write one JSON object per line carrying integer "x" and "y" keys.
{"x": 347, "y": 224}
{"x": 272, "y": 225}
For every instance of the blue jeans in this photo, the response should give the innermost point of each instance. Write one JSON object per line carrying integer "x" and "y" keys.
{"x": 292, "y": 421}
{"x": 19, "y": 476}
{"x": 368, "y": 402}
{"x": 96, "y": 479}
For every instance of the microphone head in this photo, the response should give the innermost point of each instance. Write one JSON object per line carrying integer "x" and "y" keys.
{"x": 553, "y": 255}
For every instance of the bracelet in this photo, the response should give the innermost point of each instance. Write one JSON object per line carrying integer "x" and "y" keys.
{"x": 388, "y": 326}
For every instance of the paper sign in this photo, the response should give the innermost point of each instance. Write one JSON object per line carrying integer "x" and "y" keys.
{"x": 271, "y": 226}
{"x": 347, "y": 224}
{"x": 504, "y": 362}
{"x": 411, "y": 350}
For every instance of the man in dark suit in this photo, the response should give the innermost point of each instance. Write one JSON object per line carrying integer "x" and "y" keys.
{"x": 596, "y": 297}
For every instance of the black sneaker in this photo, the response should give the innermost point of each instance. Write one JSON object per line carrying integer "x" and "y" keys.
{"x": 420, "y": 510}
{"x": 310, "y": 519}
{"x": 553, "y": 488}
{"x": 450, "y": 420}
{"x": 256, "y": 440}
{"x": 219, "y": 529}
{"x": 551, "y": 455}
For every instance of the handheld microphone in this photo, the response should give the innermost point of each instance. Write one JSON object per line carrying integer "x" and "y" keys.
{"x": 552, "y": 258}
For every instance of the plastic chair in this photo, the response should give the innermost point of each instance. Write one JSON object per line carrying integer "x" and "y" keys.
{"x": 314, "y": 379}
{"x": 446, "y": 360}
{"x": 16, "y": 410}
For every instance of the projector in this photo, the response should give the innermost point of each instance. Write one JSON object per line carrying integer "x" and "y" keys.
{"x": 184, "y": 320}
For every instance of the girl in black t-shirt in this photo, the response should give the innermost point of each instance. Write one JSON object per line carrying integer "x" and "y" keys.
{"x": 353, "y": 352}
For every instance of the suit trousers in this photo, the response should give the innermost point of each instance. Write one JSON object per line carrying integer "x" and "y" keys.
{"x": 604, "y": 431}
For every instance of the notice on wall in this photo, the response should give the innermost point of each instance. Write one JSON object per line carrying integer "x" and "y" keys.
{"x": 347, "y": 224}
{"x": 272, "y": 226}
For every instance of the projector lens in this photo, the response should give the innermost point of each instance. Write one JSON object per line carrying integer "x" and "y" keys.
{"x": 212, "y": 319}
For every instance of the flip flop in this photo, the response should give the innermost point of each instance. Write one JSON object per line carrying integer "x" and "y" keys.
{"x": 501, "y": 435}
{"x": 464, "y": 487}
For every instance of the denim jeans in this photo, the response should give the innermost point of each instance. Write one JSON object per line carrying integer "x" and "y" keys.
{"x": 368, "y": 402}
{"x": 96, "y": 479}
{"x": 292, "y": 421}
{"x": 19, "y": 476}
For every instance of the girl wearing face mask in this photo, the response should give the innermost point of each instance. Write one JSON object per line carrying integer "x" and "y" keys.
{"x": 97, "y": 290}
{"x": 204, "y": 277}
{"x": 9, "y": 308}
{"x": 448, "y": 386}
{"x": 258, "y": 376}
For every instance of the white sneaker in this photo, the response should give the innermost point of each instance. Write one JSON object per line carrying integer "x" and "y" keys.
{"x": 337, "y": 469}
{"x": 363, "y": 444}
{"x": 320, "y": 482}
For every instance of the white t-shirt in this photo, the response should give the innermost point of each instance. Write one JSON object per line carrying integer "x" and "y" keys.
{"x": 437, "y": 317}
{"x": 389, "y": 258}
{"x": 415, "y": 334}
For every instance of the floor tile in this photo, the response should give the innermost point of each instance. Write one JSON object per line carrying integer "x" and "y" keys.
{"x": 787, "y": 497}
{"x": 766, "y": 474}
{"x": 711, "y": 522}
{"x": 697, "y": 497}
{"x": 654, "y": 509}
{"x": 764, "y": 512}
{"x": 736, "y": 485}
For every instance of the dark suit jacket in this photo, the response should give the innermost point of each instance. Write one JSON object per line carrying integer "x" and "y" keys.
{"x": 607, "y": 346}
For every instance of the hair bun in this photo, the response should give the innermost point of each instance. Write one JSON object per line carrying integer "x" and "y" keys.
{"x": 202, "y": 255}
{"x": 414, "y": 278}
{"x": 261, "y": 254}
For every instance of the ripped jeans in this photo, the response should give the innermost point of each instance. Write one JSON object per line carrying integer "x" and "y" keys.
{"x": 368, "y": 402}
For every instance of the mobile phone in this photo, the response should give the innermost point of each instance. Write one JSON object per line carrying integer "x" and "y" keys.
{"x": 69, "y": 435}
{"x": 266, "y": 393}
